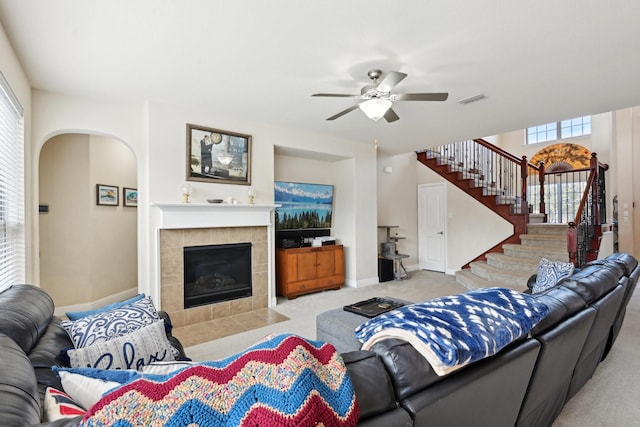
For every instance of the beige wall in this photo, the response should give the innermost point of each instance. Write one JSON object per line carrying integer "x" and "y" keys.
{"x": 87, "y": 252}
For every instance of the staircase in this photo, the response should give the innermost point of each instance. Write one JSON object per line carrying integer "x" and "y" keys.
{"x": 517, "y": 262}
{"x": 496, "y": 179}
{"x": 463, "y": 165}
{"x": 512, "y": 187}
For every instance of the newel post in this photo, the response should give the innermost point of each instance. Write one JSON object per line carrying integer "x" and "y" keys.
{"x": 595, "y": 196}
{"x": 524, "y": 174}
{"x": 572, "y": 242}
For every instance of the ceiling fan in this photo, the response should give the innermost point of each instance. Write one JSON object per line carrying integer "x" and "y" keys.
{"x": 376, "y": 98}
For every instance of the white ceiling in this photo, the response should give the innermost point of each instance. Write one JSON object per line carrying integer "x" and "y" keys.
{"x": 535, "y": 60}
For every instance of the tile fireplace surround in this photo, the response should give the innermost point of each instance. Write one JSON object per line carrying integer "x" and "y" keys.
{"x": 182, "y": 225}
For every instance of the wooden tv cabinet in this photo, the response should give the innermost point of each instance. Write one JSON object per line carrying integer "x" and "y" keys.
{"x": 302, "y": 271}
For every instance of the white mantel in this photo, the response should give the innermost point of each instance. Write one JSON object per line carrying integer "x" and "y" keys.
{"x": 209, "y": 215}
{"x": 196, "y": 215}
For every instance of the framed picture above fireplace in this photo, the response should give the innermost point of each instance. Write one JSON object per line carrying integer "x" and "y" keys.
{"x": 220, "y": 156}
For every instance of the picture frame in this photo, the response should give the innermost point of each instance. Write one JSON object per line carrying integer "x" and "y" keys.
{"x": 107, "y": 195}
{"x": 220, "y": 156}
{"x": 129, "y": 197}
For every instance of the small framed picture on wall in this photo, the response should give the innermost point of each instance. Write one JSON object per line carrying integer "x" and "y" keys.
{"x": 107, "y": 195}
{"x": 129, "y": 197}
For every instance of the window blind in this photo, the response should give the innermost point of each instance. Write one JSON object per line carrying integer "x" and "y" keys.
{"x": 12, "y": 227}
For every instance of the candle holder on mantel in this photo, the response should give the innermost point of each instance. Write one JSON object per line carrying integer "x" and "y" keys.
{"x": 186, "y": 192}
{"x": 252, "y": 195}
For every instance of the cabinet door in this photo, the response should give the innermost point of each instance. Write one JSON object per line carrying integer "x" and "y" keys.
{"x": 306, "y": 266}
{"x": 326, "y": 263}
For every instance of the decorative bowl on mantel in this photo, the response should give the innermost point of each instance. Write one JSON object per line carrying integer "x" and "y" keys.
{"x": 214, "y": 200}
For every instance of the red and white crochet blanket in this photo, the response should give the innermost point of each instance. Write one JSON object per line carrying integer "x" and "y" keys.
{"x": 282, "y": 381}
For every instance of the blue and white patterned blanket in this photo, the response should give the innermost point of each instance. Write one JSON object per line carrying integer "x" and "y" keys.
{"x": 453, "y": 331}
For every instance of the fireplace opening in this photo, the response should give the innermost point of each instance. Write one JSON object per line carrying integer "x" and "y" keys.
{"x": 216, "y": 273}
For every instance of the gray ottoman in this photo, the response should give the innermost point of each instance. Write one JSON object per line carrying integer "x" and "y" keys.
{"x": 337, "y": 327}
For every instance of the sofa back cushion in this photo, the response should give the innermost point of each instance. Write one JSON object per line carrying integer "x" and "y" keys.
{"x": 19, "y": 402}
{"x": 626, "y": 261}
{"x": 409, "y": 370}
{"x": 562, "y": 303}
{"x": 25, "y": 313}
{"x": 593, "y": 281}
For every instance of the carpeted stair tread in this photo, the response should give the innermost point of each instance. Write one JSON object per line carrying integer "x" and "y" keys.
{"x": 546, "y": 240}
{"x": 500, "y": 260}
{"x": 501, "y": 276}
{"x": 471, "y": 281}
{"x": 537, "y": 252}
{"x": 546, "y": 228}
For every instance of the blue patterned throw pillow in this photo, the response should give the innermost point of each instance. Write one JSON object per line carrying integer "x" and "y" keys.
{"x": 550, "y": 273}
{"x": 130, "y": 351}
{"x": 112, "y": 323}
{"x": 75, "y": 315}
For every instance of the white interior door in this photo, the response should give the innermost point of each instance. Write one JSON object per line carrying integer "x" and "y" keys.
{"x": 432, "y": 227}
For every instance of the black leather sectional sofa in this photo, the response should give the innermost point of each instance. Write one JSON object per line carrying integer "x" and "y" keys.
{"x": 525, "y": 384}
{"x": 31, "y": 340}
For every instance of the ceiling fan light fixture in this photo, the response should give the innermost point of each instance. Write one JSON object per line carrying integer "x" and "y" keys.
{"x": 375, "y": 108}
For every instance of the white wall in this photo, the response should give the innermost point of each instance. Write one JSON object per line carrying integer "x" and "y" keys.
{"x": 355, "y": 190}
{"x": 397, "y": 205}
{"x": 338, "y": 172}
{"x": 472, "y": 228}
{"x": 156, "y": 133}
{"x": 626, "y": 161}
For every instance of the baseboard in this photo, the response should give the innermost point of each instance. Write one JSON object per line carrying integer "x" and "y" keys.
{"x": 362, "y": 282}
{"x": 120, "y": 296}
{"x": 412, "y": 267}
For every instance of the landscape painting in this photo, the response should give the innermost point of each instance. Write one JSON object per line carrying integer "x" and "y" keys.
{"x": 303, "y": 206}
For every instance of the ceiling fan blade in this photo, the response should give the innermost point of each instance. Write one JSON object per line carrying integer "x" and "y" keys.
{"x": 421, "y": 96}
{"x": 343, "y": 112}
{"x": 390, "y": 81}
{"x": 391, "y": 116}
{"x": 336, "y": 95}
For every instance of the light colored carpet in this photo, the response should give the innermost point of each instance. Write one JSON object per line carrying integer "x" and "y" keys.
{"x": 608, "y": 399}
{"x": 302, "y": 311}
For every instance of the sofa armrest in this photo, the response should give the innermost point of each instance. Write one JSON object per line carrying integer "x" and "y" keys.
{"x": 20, "y": 404}
{"x": 175, "y": 342}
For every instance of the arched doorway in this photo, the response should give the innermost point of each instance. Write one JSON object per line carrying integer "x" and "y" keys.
{"x": 88, "y": 250}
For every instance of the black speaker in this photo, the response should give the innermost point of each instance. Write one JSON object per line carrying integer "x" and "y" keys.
{"x": 385, "y": 269}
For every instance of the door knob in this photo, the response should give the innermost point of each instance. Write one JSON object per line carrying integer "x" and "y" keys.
{"x": 440, "y": 232}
